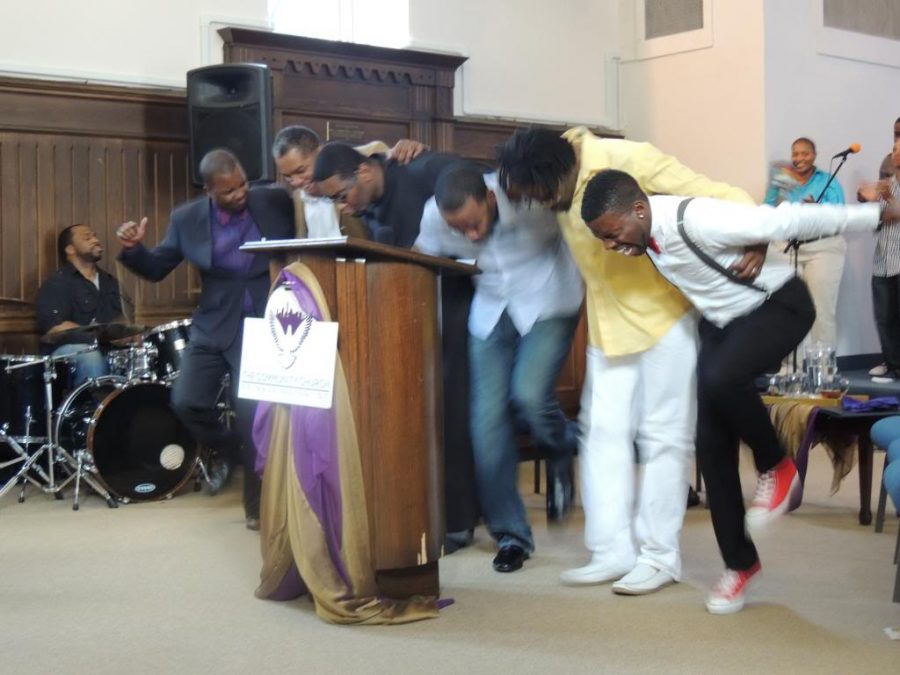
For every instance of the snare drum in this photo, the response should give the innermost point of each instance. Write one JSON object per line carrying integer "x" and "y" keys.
{"x": 139, "y": 448}
{"x": 170, "y": 341}
{"x": 22, "y": 397}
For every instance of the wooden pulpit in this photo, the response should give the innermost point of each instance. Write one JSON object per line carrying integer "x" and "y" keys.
{"x": 385, "y": 300}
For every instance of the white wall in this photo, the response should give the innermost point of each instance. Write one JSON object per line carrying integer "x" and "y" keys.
{"x": 118, "y": 41}
{"x": 836, "y": 102}
{"x": 528, "y": 59}
{"x": 704, "y": 106}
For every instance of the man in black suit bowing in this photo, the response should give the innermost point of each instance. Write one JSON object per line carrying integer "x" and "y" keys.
{"x": 209, "y": 231}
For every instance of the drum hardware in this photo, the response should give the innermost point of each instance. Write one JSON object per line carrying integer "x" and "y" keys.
{"x": 57, "y": 456}
{"x": 29, "y": 462}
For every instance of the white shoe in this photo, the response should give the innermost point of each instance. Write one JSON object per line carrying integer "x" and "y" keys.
{"x": 590, "y": 574}
{"x": 643, "y": 579}
{"x": 880, "y": 370}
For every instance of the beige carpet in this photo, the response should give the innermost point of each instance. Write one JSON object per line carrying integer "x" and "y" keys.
{"x": 168, "y": 588}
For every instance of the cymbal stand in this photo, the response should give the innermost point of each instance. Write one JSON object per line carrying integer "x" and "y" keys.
{"x": 22, "y": 476}
{"x": 55, "y": 452}
{"x": 29, "y": 461}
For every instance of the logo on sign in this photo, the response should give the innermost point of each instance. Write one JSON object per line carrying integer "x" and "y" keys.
{"x": 288, "y": 324}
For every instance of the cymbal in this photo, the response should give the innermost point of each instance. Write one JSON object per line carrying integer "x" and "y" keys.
{"x": 103, "y": 333}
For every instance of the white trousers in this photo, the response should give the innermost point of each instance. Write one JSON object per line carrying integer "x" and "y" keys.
{"x": 638, "y": 419}
{"x": 821, "y": 265}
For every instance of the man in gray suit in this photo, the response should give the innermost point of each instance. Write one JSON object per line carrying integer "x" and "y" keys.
{"x": 208, "y": 231}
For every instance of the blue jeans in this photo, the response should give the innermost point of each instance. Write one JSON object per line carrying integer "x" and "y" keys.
{"x": 513, "y": 377}
{"x": 87, "y": 365}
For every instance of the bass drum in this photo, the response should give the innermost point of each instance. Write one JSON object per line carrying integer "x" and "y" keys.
{"x": 140, "y": 449}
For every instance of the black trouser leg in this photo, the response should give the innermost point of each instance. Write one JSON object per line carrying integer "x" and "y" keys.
{"x": 886, "y": 303}
{"x": 460, "y": 489}
{"x": 245, "y": 411}
{"x": 196, "y": 391}
{"x": 731, "y": 409}
{"x": 194, "y": 398}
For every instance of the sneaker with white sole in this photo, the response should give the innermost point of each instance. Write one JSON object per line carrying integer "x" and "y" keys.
{"x": 591, "y": 574}
{"x": 728, "y": 595}
{"x": 643, "y": 579}
{"x": 774, "y": 490}
{"x": 886, "y": 378}
{"x": 879, "y": 370}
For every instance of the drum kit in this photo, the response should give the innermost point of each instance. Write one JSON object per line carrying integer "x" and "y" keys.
{"x": 117, "y": 433}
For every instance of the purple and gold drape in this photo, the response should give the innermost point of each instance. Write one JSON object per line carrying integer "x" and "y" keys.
{"x": 314, "y": 522}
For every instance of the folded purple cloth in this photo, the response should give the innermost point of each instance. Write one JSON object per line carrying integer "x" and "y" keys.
{"x": 882, "y": 403}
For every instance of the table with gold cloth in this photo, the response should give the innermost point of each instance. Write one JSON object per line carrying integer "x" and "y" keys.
{"x": 803, "y": 424}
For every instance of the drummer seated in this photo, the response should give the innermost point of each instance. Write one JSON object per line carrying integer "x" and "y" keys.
{"x": 80, "y": 293}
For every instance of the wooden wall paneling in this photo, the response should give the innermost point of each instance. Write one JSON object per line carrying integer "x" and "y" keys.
{"x": 382, "y": 130}
{"x": 83, "y": 153}
{"x": 375, "y": 89}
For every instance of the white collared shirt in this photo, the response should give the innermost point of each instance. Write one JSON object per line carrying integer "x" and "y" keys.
{"x": 527, "y": 268}
{"x": 322, "y": 220}
{"x": 722, "y": 229}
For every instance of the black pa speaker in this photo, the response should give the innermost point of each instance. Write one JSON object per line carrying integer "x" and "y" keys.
{"x": 230, "y": 106}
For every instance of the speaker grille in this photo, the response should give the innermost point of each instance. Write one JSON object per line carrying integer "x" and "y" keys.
{"x": 230, "y": 106}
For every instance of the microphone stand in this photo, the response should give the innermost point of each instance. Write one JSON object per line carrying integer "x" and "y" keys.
{"x": 794, "y": 244}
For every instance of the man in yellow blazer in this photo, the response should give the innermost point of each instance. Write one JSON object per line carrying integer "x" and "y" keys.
{"x": 640, "y": 386}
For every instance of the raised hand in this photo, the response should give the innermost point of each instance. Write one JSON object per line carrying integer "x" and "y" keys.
{"x": 131, "y": 234}
{"x": 406, "y": 150}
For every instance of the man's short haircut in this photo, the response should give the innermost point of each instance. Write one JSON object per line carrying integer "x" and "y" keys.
{"x": 804, "y": 139}
{"x": 302, "y": 138}
{"x": 897, "y": 120}
{"x": 456, "y": 184}
{"x": 218, "y": 162}
{"x": 63, "y": 239}
{"x": 337, "y": 158}
{"x": 610, "y": 190}
{"x": 536, "y": 160}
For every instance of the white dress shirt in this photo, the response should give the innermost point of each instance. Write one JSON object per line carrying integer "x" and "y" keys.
{"x": 722, "y": 229}
{"x": 321, "y": 217}
{"x": 527, "y": 268}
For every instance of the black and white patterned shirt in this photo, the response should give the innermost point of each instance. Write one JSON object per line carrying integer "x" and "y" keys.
{"x": 887, "y": 245}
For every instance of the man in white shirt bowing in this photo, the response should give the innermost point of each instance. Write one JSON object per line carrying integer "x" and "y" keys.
{"x": 747, "y": 327}
{"x": 521, "y": 324}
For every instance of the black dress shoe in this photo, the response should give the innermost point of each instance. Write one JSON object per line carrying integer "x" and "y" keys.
{"x": 510, "y": 559}
{"x": 218, "y": 472}
{"x": 693, "y": 499}
{"x": 560, "y": 488}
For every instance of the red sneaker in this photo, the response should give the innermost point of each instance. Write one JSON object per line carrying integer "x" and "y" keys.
{"x": 773, "y": 495}
{"x": 728, "y": 595}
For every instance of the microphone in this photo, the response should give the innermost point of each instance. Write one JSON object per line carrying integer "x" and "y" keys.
{"x": 852, "y": 150}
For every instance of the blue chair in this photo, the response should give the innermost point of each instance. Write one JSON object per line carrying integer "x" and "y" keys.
{"x": 891, "y": 484}
{"x": 887, "y": 435}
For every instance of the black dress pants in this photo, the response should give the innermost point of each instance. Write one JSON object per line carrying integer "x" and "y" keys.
{"x": 730, "y": 409}
{"x": 194, "y": 399}
{"x": 886, "y": 303}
